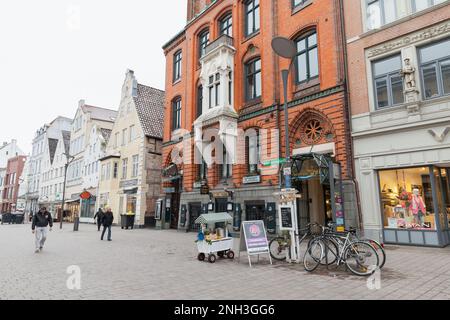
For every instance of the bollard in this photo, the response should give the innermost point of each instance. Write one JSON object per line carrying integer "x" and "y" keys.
{"x": 76, "y": 223}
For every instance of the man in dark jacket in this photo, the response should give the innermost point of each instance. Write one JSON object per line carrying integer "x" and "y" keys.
{"x": 41, "y": 221}
{"x": 107, "y": 221}
{"x": 99, "y": 216}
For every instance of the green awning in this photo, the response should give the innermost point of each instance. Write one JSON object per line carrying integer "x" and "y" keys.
{"x": 214, "y": 218}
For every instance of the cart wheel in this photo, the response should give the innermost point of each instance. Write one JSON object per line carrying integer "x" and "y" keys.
{"x": 221, "y": 254}
{"x": 230, "y": 254}
{"x": 201, "y": 257}
{"x": 212, "y": 258}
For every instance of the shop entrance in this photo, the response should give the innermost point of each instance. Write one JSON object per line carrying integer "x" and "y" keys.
{"x": 195, "y": 210}
{"x": 255, "y": 211}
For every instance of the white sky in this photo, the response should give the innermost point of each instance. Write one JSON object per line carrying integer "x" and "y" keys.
{"x": 55, "y": 52}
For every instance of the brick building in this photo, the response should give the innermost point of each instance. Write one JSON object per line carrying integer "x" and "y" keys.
{"x": 399, "y": 78}
{"x": 224, "y": 97}
{"x": 12, "y": 183}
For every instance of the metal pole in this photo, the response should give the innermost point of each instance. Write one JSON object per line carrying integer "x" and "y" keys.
{"x": 64, "y": 195}
{"x": 287, "y": 177}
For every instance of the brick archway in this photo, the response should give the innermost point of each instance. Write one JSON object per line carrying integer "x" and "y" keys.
{"x": 311, "y": 127}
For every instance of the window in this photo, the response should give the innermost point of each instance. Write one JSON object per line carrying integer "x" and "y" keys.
{"x": 116, "y": 170}
{"x": 297, "y": 3}
{"x": 388, "y": 82}
{"x": 253, "y": 151}
{"x": 307, "y": 62}
{"x": 124, "y": 168}
{"x": 253, "y": 79}
{"x": 203, "y": 41}
{"x": 214, "y": 90}
{"x": 226, "y": 25}
{"x": 135, "y": 166}
{"x": 381, "y": 12}
{"x": 202, "y": 170}
{"x": 176, "y": 114}
{"x": 103, "y": 173}
{"x": 407, "y": 198}
{"x": 251, "y": 17}
{"x": 116, "y": 140}
{"x": 132, "y": 133}
{"x": 435, "y": 69}
{"x": 199, "y": 100}
{"x": 230, "y": 88}
{"x": 124, "y": 137}
{"x": 227, "y": 167}
{"x": 177, "y": 65}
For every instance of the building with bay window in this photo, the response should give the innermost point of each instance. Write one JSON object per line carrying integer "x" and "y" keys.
{"x": 399, "y": 77}
{"x": 224, "y": 121}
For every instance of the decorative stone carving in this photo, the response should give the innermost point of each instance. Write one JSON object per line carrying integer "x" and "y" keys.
{"x": 409, "y": 75}
{"x": 440, "y": 138}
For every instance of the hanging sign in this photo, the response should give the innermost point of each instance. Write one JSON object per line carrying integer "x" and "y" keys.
{"x": 254, "y": 239}
{"x": 85, "y": 195}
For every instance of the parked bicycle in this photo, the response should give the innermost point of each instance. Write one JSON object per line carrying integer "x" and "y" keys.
{"x": 329, "y": 248}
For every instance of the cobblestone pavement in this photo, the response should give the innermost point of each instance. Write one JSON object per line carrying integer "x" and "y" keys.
{"x": 148, "y": 264}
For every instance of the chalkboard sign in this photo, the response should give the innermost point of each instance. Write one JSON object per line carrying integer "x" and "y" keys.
{"x": 271, "y": 213}
{"x": 286, "y": 218}
{"x": 254, "y": 239}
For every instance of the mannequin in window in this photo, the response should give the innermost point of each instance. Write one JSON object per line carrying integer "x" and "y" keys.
{"x": 418, "y": 208}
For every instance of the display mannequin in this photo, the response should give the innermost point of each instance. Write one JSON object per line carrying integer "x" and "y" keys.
{"x": 418, "y": 208}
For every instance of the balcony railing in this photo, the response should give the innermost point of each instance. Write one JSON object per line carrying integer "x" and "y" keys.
{"x": 222, "y": 40}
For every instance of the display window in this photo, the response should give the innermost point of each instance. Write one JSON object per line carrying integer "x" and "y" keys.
{"x": 407, "y": 199}
{"x": 131, "y": 204}
{"x": 442, "y": 177}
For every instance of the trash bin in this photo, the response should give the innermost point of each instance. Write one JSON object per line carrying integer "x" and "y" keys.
{"x": 18, "y": 218}
{"x": 7, "y": 218}
{"x": 127, "y": 221}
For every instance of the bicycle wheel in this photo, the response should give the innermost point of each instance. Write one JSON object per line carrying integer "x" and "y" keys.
{"x": 313, "y": 255}
{"x": 278, "y": 249}
{"x": 331, "y": 252}
{"x": 361, "y": 258}
{"x": 380, "y": 251}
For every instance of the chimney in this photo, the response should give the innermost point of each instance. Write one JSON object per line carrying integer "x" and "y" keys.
{"x": 81, "y": 103}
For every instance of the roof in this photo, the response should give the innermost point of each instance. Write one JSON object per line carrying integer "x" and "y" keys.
{"x": 66, "y": 140}
{"x": 214, "y": 218}
{"x": 52, "y": 145}
{"x": 106, "y": 133}
{"x": 101, "y": 114}
{"x": 150, "y": 108}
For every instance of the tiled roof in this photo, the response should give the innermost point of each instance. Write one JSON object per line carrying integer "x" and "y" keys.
{"x": 101, "y": 114}
{"x": 106, "y": 133}
{"x": 52, "y": 145}
{"x": 150, "y": 108}
{"x": 66, "y": 139}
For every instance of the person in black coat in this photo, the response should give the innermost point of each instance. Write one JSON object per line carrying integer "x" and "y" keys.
{"x": 99, "y": 216}
{"x": 107, "y": 221}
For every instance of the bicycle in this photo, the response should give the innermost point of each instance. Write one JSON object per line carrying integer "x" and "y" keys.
{"x": 359, "y": 257}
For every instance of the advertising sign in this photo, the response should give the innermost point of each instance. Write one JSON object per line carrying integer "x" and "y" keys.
{"x": 254, "y": 239}
{"x": 286, "y": 218}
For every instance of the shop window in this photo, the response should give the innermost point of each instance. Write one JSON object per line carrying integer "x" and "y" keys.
{"x": 443, "y": 196}
{"x": 407, "y": 199}
{"x": 388, "y": 82}
{"x": 435, "y": 69}
{"x": 131, "y": 204}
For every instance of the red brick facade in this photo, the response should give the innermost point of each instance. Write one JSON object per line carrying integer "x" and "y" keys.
{"x": 322, "y": 99}
{"x": 12, "y": 183}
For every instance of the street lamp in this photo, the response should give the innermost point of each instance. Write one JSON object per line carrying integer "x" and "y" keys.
{"x": 286, "y": 48}
{"x": 66, "y": 166}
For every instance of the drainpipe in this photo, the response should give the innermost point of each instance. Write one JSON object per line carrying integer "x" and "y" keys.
{"x": 347, "y": 114}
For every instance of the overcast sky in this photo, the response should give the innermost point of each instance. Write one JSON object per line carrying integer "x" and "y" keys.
{"x": 55, "y": 52}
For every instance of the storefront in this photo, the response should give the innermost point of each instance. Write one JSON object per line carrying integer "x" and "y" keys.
{"x": 415, "y": 205}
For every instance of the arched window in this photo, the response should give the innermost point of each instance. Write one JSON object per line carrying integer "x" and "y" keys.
{"x": 307, "y": 62}
{"x": 226, "y": 25}
{"x": 203, "y": 41}
{"x": 253, "y": 86}
{"x": 176, "y": 113}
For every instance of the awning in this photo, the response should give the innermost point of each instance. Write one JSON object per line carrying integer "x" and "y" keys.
{"x": 214, "y": 218}
{"x": 72, "y": 201}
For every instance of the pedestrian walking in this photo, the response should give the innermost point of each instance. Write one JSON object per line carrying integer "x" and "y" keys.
{"x": 40, "y": 223}
{"x": 98, "y": 216}
{"x": 107, "y": 221}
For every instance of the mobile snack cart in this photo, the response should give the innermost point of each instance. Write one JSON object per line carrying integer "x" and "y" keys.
{"x": 212, "y": 243}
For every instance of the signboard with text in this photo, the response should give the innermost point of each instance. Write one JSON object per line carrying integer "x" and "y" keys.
{"x": 286, "y": 218}
{"x": 254, "y": 239}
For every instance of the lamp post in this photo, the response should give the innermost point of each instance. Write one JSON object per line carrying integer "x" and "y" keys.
{"x": 66, "y": 166}
{"x": 286, "y": 48}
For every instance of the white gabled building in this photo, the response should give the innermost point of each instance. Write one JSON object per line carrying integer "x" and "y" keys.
{"x": 90, "y": 131}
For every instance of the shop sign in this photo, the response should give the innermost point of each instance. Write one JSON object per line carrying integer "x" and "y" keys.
{"x": 274, "y": 162}
{"x": 129, "y": 183}
{"x": 251, "y": 179}
{"x": 287, "y": 171}
{"x": 254, "y": 239}
{"x": 85, "y": 195}
{"x": 169, "y": 190}
{"x": 220, "y": 194}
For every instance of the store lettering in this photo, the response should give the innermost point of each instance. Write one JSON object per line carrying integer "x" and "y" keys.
{"x": 185, "y": 310}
